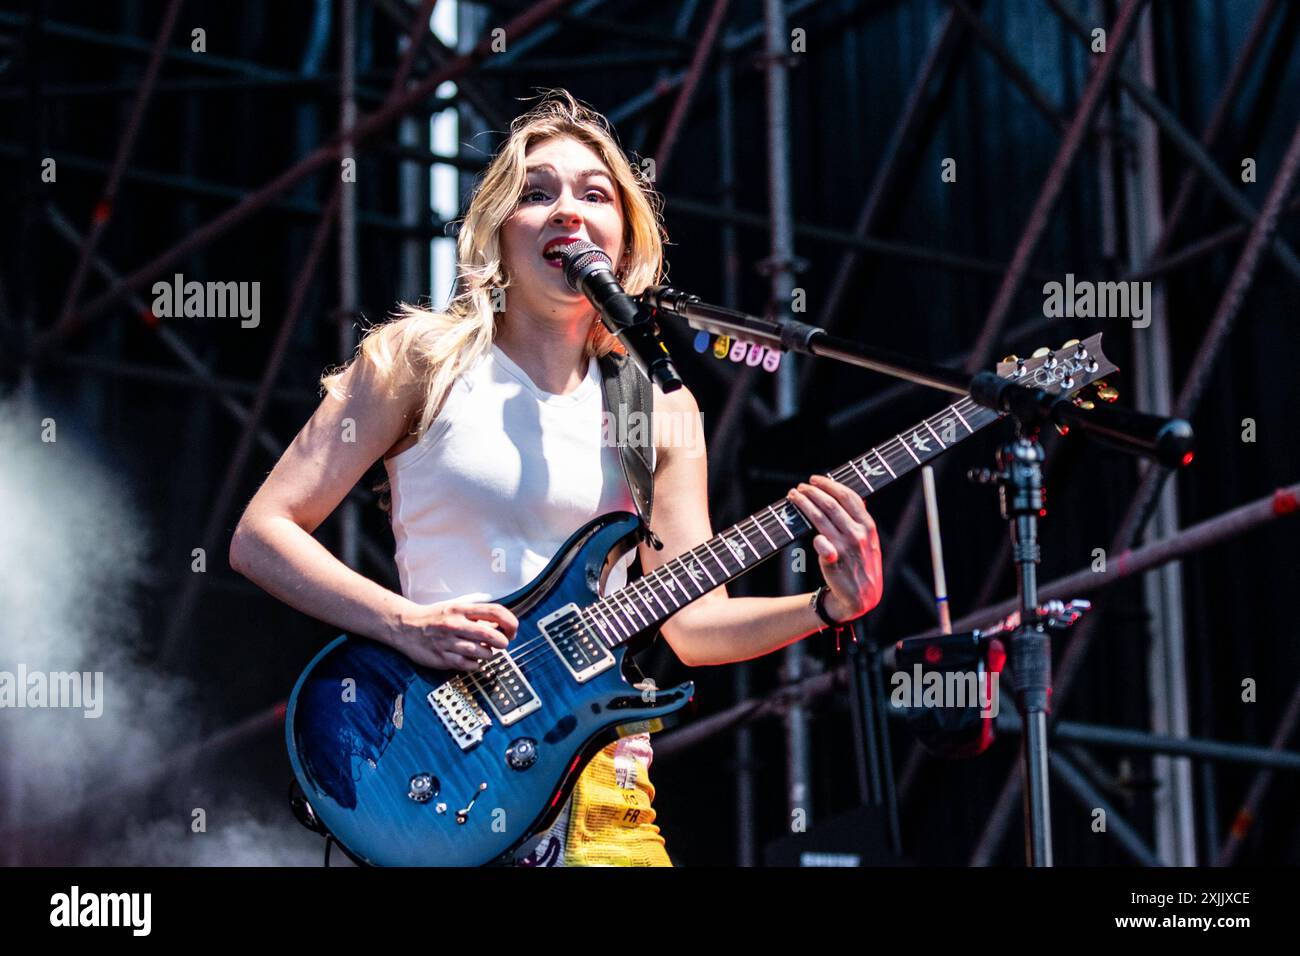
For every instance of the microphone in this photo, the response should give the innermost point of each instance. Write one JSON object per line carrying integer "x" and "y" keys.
{"x": 587, "y": 269}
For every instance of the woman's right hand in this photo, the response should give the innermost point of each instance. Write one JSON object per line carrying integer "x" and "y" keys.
{"x": 453, "y": 635}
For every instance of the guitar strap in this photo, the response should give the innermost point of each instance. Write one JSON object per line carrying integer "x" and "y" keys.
{"x": 629, "y": 401}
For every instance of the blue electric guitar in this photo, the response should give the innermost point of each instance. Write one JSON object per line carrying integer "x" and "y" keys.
{"x": 407, "y": 766}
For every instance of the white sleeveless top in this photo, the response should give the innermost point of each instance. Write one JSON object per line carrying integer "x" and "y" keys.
{"x": 501, "y": 479}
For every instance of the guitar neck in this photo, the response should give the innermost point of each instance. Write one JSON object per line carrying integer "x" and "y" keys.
{"x": 652, "y": 598}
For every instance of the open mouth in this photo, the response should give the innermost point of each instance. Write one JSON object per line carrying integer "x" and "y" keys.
{"x": 553, "y": 251}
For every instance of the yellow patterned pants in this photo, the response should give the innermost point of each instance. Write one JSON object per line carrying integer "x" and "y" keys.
{"x": 611, "y": 818}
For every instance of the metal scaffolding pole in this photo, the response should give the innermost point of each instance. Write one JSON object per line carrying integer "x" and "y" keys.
{"x": 1152, "y": 270}
{"x": 746, "y": 842}
{"x": 238, "y": 461}
{"x": 348, "y": 280}
{"x": 1091, "y": 800}
{"x": 394, "y": 107}
{"x": 1244, "y": 818}
{"x": 1218, "y": 117}
{"x": 780, "y": 268}
{"x": 1174, "y": 798}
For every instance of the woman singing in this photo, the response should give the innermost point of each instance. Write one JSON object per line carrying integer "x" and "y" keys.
{"x": 488, "y": 417}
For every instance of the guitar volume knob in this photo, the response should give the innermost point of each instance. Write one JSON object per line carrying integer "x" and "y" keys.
{"x": 424, "y": 786}
{"x": 522, "y": 753}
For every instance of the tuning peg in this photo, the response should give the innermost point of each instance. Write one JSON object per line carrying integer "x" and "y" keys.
{"x": 1039, "y": 353}
{"x": 1013, "y": 357}
{"x": 1086, "y": 405}
{"x": 1080, "y": 353}
{"x": 1107, "y": 393}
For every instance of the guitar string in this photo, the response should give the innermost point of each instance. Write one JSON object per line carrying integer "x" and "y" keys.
{"x": 501, "y": 664}
{"x": 527, "y": 652}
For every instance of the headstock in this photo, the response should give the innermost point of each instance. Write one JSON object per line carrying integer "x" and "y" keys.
{"x": 1066, "y": 371}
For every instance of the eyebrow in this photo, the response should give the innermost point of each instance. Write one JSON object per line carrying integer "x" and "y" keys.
{"x": 584, "y": 174}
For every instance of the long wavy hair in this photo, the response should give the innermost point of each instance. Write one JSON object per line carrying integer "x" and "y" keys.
{"x": 437, "y": 347}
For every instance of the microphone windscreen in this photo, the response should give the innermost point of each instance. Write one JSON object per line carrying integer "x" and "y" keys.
{"x": 577, "y": 257}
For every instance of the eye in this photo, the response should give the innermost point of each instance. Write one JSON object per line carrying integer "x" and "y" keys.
{"x": 529, "y": 194}
{"x": 599, "y": 194}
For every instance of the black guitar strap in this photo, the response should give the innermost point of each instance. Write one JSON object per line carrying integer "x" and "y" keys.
{"x": 628, "y": 392}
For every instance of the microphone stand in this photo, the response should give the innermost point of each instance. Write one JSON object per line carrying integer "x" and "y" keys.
{"x": 1020, "y": 484}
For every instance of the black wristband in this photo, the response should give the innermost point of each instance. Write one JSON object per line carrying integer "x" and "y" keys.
{"x": 818, "y": 603}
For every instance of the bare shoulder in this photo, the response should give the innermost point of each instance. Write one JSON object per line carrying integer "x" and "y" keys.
{"x": 678, "y": 424}
{"x": 395, "y": 375}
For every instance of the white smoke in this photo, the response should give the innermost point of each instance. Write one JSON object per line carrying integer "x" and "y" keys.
{"x": 74, "y": 551}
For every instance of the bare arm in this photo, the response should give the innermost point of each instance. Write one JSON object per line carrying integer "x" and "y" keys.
{"x": 716, "y": 628}
{"x": 273, "y": 544}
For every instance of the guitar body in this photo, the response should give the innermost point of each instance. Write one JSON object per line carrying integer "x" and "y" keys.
{"x": 387, "y": 775}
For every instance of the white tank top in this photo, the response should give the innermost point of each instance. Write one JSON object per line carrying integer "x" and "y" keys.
{"x": 501, "y": 479}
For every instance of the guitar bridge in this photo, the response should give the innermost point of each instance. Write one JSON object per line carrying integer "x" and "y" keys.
{"x": 459, "y": 712}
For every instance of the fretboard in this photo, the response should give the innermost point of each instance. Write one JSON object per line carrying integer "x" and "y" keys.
{"x": 651, "y": 599}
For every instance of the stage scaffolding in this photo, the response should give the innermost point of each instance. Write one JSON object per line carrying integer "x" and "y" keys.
{"x": 690, "y": 71}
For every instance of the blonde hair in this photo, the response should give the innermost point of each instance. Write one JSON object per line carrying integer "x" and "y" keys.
{"x": 437, "y": 347}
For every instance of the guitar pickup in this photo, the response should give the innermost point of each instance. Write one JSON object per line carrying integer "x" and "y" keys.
{"x": 576, "y": 644}
{"x": 508, "y": 691}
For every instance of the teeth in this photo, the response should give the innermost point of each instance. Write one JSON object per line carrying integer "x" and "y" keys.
{"x": 554, "y": 251}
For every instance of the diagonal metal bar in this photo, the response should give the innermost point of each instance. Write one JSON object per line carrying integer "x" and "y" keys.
{"x": 934, "y": 69}
{"x": 415, "y": 35}
{"x": 225, "y": 496}
{"x": 1016, "y": 73}
{"x": 340, "y": 203}
{"x": 1183, "y": 141}
{"x": 103, "y": 210}
{"x": 468, "y": 88}
{"x": 381, "y": 560}
{"x": 1159, "y": 263}
{"x": 1218, "y": 116}
{"x": 686, "y": 96}
{"x": 1245, "y": 816}
{"x": 1181, "y": 258}
{"x": 366, "y": 127}
{"x": 1198, "y": 377}
{"x": 1091, "y": 799}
